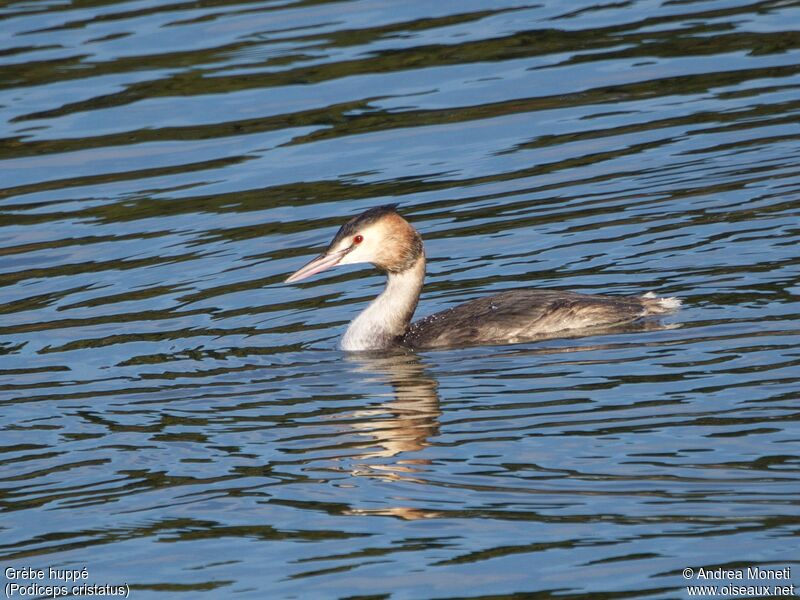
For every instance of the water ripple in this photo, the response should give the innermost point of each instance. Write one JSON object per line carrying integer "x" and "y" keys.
{"x": 172, "y": 410}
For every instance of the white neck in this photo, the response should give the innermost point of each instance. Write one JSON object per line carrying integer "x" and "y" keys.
{"x": 388, "y": 316}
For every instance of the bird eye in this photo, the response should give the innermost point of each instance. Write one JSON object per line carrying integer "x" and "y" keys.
{"x": 358, "y": 239}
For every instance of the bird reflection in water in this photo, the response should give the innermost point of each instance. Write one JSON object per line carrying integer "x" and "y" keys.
{"x": 400, "y": 427}
{"x": 403, "y": 426}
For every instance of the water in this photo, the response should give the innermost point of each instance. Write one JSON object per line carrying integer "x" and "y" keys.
{"x": 176, "y": 419}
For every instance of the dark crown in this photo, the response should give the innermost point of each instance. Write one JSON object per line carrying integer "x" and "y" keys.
{"x": 368, "y": 217}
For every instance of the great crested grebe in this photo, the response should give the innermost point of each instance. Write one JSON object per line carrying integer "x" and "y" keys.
{"x": 382, "y": 237}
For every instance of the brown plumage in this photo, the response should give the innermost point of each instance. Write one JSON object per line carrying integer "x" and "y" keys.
{"x": 524, "y": 315}
{"x": 382, "y": 237}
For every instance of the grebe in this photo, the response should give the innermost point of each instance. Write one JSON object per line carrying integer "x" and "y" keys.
{"x": 382, "y": 237}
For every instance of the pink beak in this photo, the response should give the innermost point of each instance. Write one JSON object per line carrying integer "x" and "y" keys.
{"x": 322, "y": 263}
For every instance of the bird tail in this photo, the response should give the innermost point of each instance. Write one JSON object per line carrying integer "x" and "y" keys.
{"x": 653, "y": 305}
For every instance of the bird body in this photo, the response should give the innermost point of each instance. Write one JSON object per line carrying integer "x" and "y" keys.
{"x": 522, "y": 315}
{"x": 384, "y": 238}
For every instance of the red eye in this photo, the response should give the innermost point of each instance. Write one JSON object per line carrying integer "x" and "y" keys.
{"x": 358, "y": 239}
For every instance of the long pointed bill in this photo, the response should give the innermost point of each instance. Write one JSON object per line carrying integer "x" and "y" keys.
{"x": 319, "y": 264}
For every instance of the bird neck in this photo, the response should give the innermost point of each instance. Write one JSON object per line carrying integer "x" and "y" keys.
{"x": 387, "y": 317}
